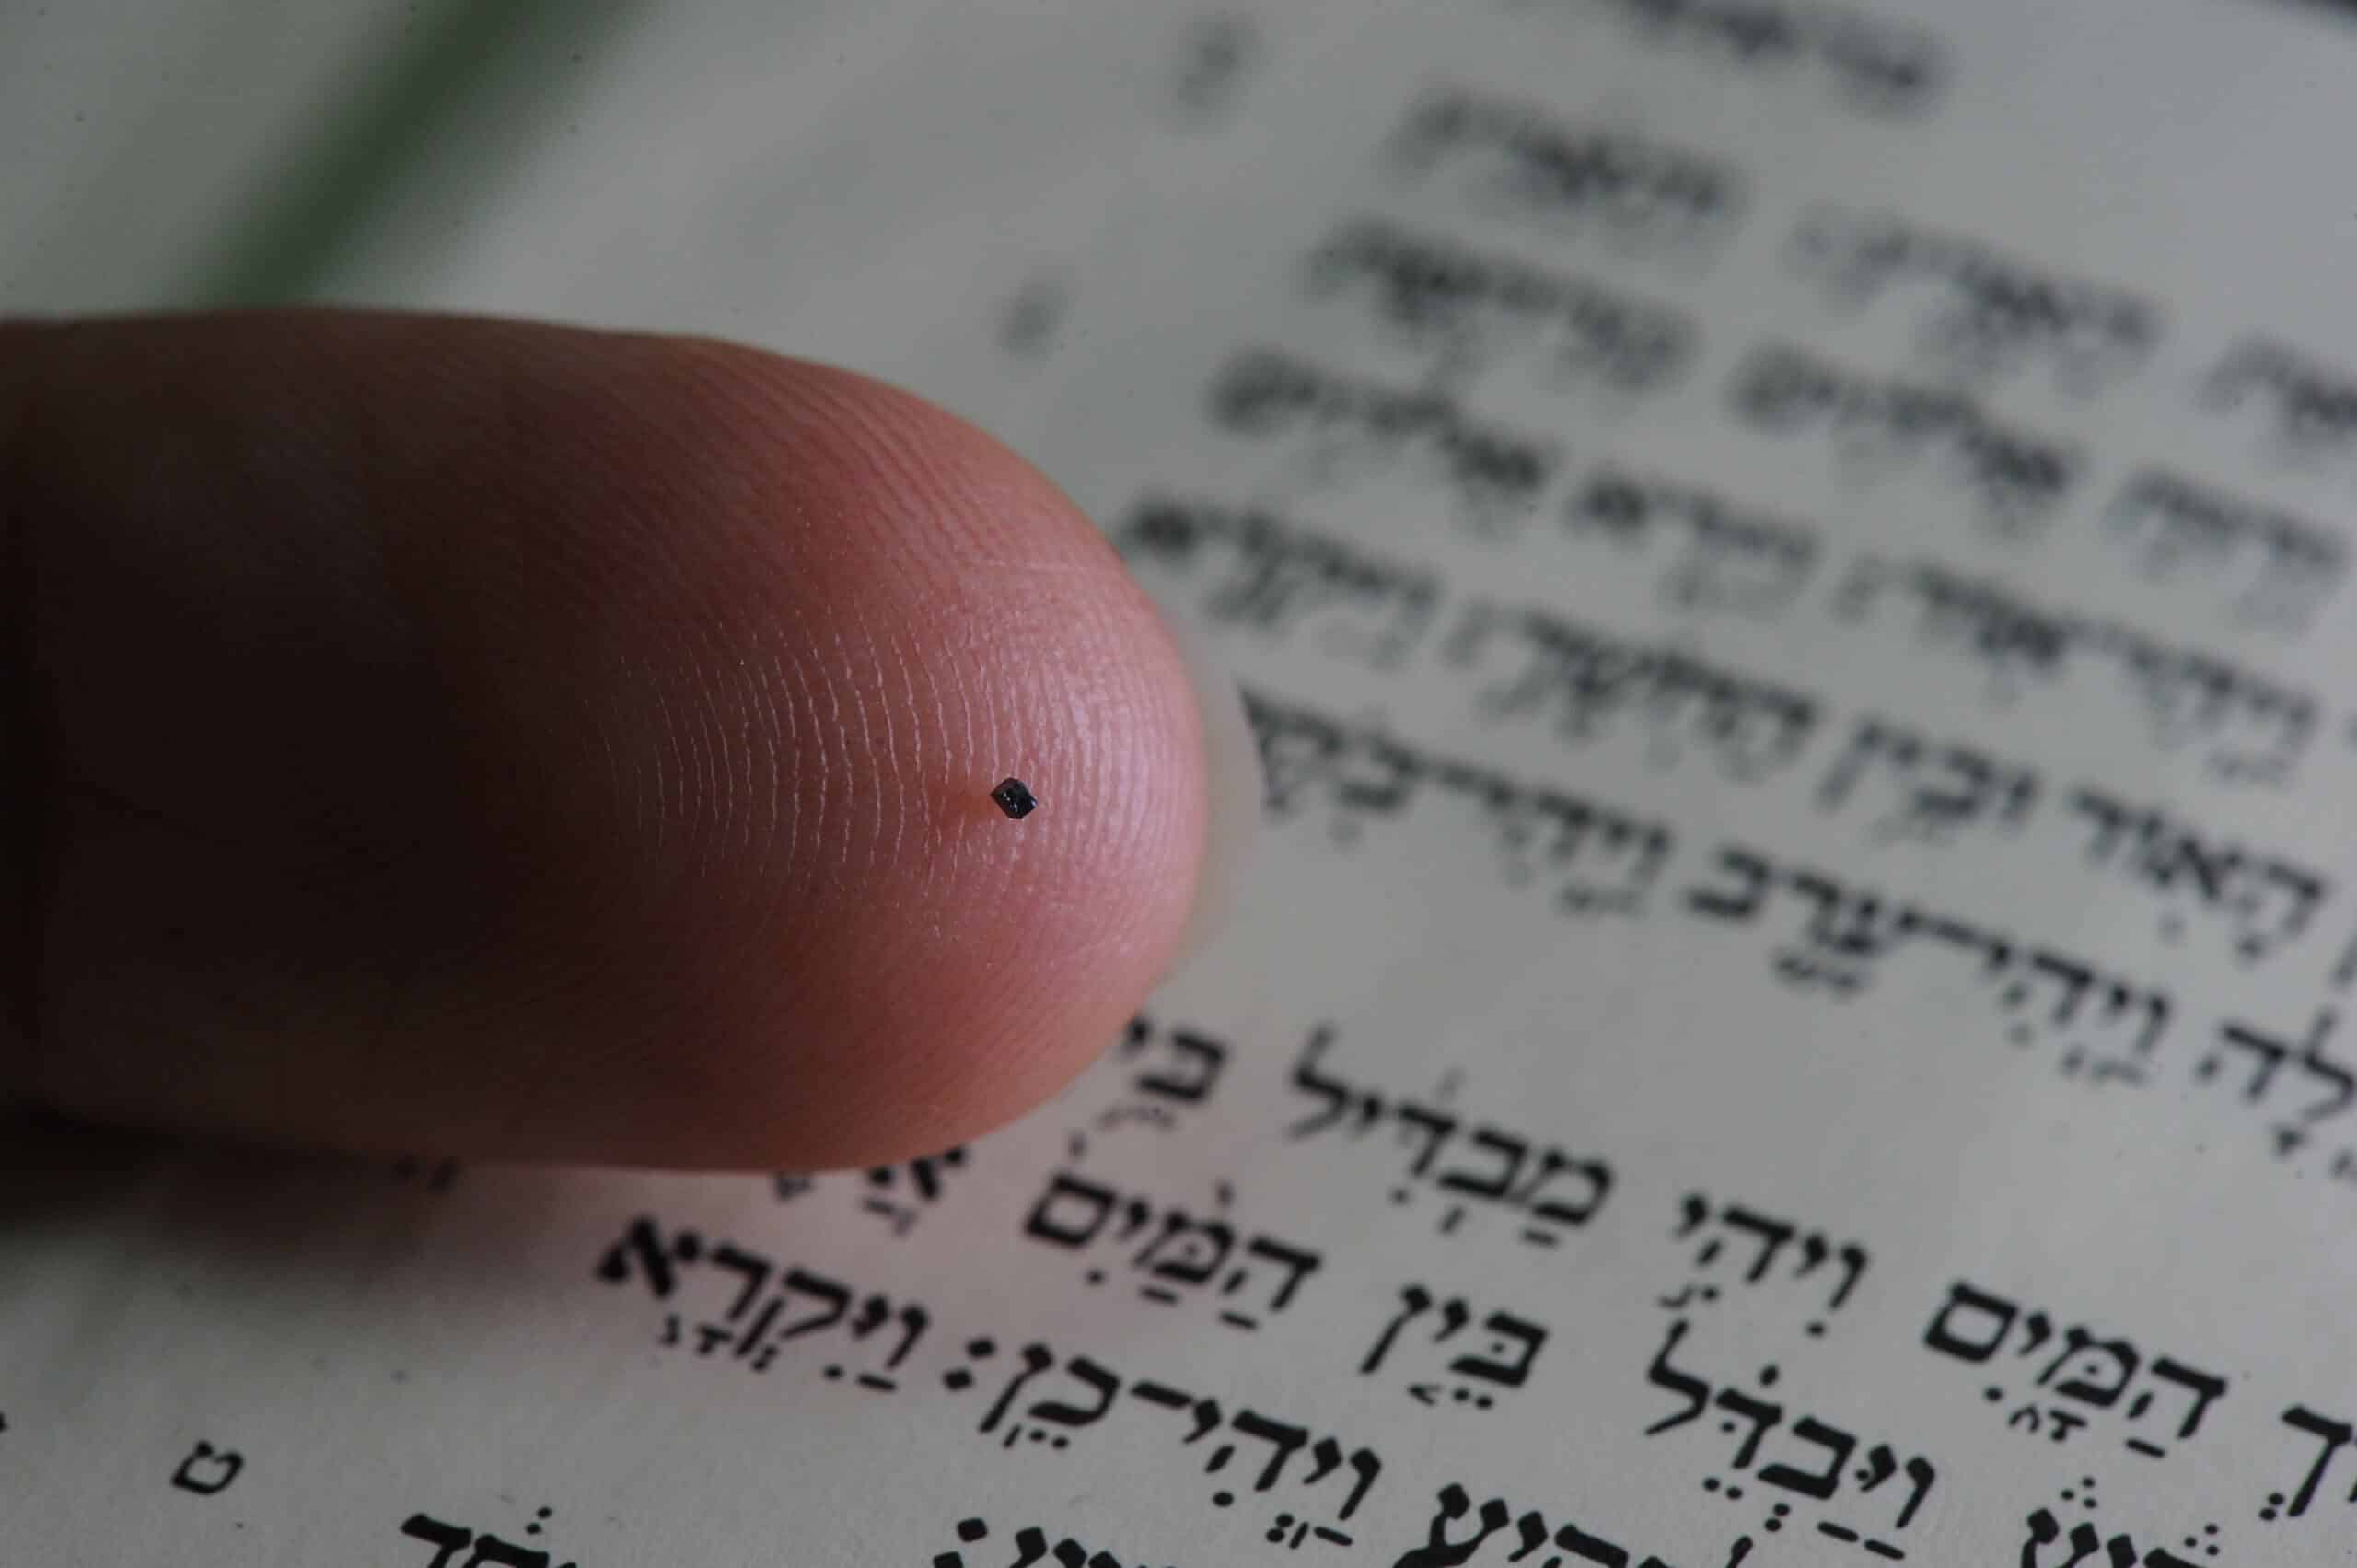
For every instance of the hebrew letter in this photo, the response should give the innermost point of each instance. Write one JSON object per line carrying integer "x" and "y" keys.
{"x": 1849, "y": 930}
{"x": 2204, "y": 1388}
{"x": 1297, "y": 750}
{"x": 2123, "y": 1361}
{"x": 1940, "y": 1337}
{"x": 1995, "y": 951}
{"x": 1594, "y": 1549}
{"x": 1414, "y": 1299}
{"x": 2119, "y": 1005}
{"x": 1436, "y": 1126}
{"x": 2044, "y": 1531}
{"x": 1510, "y": 1148}
{"x": 1095, "y": 1203}
{"x": 1934, "y": 813}
{"x": 1773, "y": 1234}
{"x": 642, "y": 1245}
{"x": 1337, "y": 1094}
{"x": 2075, "y": 977}
{"x": 1819, "y": 1485}
{"x": 1788, "y": 717}
{"x": 836, "y": 1297}
{"x": 1881, "y": 1465}
{"x": 448, "y": 1541}
{"x": 1036, "y": 1358}
{"x": 1763, "y": 1416}
{"x": 2335, "y": 1434}
{"x": 1366, "y": 1466}
{"x": 1285, "y": 1438}
{"x": 1651, "y": 846}
{"x": 208, "y": 1469}
{"x": 926, "y": 1171}
{"x": 493, "y": 1552}
{"x": 1190, "y": 1081}
{"x": 2270, "y": 1055}
{"x": 1921, "y": 1475}
{"x": 1207, "y": 1419}
{"x": 1815, "y": 1250}
{"x": 1327, "y": 1456}
{"x": 2304, "y": 889}
{"x": 873, "y": 1314}
{"x": 2341, "y": 1087}
{"x": 1865, "y": 741}
{"x": 2172, "y": 850}
{"x": 1693, "y": 1209}
{"x": 1191, "y": 1265}
{"x": 1396, "y": 772}
{"x": 1854, "y": 1267}
{"x": 2110, "y": 816}
{"x": 1299, "y": 1266}
{"x": 1161, "y": 1394}
{"x": 1105, "y": 1384}
{"x": 749, "y": 1267}
{"x": 1438, "y": 1551}
{"x": 1507, "y": 1374}
{"x": 915, "y": 1319}
{"x": 1660, "y": 1375}
{"x": 1750, "y": 874}
{"x": 1552, "y": 1163}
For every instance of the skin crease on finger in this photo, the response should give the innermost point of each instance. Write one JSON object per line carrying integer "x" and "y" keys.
{"x": 478, "y": 738}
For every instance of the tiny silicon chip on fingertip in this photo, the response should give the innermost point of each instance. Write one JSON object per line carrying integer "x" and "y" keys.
{"x": 1014, "y": 797}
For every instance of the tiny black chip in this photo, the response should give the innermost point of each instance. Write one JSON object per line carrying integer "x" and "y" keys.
{"x": 1014, "y": 797}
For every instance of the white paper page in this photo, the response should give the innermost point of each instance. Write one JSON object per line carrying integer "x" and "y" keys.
{"x": 1790, "y": 563}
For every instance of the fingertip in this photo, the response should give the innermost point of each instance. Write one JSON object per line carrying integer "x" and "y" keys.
{"x": 978, "y": 962}
{"x": 664, "y": 834}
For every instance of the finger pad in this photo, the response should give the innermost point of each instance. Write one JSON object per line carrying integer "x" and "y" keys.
{"x": 719, "y": 656}
{"x": 834, "y": 617}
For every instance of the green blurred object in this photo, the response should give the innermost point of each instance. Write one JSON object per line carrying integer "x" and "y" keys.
{"x": 489, "y": 64}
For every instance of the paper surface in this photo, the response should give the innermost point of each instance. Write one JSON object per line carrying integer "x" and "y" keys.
{"x": 1790, "y": 564}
